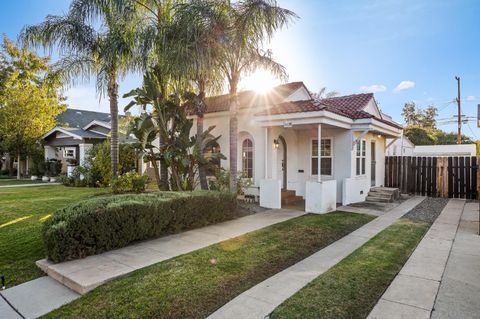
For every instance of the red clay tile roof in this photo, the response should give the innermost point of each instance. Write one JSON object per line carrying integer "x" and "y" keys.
{"x": 350, "y": 106}
{"x": 248, "y": 99}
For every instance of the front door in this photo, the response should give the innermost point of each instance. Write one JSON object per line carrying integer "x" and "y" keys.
{"x": 373, "y": 163}
{"x": 282, "y": 161}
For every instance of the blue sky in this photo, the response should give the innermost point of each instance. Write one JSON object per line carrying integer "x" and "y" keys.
{"x": 404, "y": 50}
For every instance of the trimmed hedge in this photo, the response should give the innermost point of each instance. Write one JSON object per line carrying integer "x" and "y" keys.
{"x": 101, "y": 224}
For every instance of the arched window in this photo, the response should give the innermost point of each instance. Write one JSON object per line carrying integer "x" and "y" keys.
{"x": 208, "y": 153}
{"x": 247, "y": 158}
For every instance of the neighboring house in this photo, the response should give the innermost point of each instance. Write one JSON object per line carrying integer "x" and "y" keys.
{"x": 400, "y": 147}
{"x": 445, "y": 150}
{"x": 404, "y": 147}
{"x": 278, "y": 144}
{"x": 77, "y": 132}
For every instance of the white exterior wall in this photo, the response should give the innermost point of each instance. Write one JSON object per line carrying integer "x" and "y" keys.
{"x": 356, "y": 187}
{"x": 445, "y": 150}
{"x": 400, "y": 147}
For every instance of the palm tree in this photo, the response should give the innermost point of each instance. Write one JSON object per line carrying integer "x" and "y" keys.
{"x": 200, "y": 27}
{"x": 107, "y": 53}
{"x": 252, "y": 22}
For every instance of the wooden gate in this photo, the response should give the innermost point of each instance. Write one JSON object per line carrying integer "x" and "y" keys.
{"x": 449, "y": 177}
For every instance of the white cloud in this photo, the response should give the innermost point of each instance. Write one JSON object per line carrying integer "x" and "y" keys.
{"x": 404, "y": 85}
{"x": 373, "y": 88}
{"x": 471, "y": 98}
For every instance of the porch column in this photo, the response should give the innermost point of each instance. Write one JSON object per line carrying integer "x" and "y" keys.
{"x": 266, "y": 153}
{"x": 319, "y": 139}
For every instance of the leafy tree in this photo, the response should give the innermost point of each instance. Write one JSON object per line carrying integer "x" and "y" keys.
{"x": 419, "y": 135}
{"x": 429, "y": 117}
{"x": 443, "y": 138}
{"x": 104, "y": 50}
{"x": 29, "y": 99}
{"x": 410, "y": 114}
{"x": 99, "y": 161}
{"x": 415, "y": 116}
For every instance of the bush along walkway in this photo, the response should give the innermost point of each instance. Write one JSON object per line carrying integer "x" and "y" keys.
{"x": 262, "y": 299}
{"x": 195, "y": 284}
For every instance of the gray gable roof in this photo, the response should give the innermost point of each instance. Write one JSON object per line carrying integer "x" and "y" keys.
{"x": 80, "y": 118}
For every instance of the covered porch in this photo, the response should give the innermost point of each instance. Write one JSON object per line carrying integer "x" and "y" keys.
{"x": 324, "y": 160}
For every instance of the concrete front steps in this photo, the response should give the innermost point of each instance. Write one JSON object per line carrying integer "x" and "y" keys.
{"x": 291, "y": 198}
{"x": 383, "y": 194}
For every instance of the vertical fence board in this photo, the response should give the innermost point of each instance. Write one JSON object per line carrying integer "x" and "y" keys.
{"x": 461, "y": 180}
{"x": 468, "y": 181}
{"x": 448, "y": 177}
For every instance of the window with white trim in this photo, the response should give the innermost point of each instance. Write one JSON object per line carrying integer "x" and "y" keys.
{"x": 69, "y": 152}
{"x": 326, "y": 154}
{"x": 360, "y": 157}
{"x": 247, "y": 158}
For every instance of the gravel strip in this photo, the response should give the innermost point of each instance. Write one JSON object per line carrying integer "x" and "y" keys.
{"x": 428, "y": 210}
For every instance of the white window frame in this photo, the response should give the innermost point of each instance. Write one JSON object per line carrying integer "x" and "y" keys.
{"x": 331, "y": 155}
{"x": 68, "y": 149}
{"x": 248, "y": 137}
{"x": 361, "y": 154}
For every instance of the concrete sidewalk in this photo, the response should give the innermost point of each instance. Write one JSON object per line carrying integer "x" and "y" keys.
{"x": 260, "y": 300}
{"x": 29, "y": 185}
{"x": 459, "y": 294}
{"x": 83, "y": 275}
{"x": 412, "y": 293}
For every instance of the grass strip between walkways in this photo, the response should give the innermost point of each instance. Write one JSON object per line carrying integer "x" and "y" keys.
{"x": 352, "y": 287}
{"x": 194, "y": 285}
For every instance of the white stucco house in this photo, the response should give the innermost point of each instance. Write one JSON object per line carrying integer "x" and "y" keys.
{"x": 278, "y": 144}
{"x": 400, "y": 147}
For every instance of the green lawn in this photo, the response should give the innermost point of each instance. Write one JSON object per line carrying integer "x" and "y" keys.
{"x": 196, "y": 284}
{"x": 352, "y": 288}
{"x": 22, "y": 211}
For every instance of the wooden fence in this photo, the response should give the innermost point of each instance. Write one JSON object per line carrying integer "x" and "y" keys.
{"x": 449, "y": 177}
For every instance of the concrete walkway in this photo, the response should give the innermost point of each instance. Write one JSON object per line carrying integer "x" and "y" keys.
{"x": 459, "y": 293}
{"x": 35, "y": 298}
{"x": 260, "y": 300}
{"x": 83, "y": 275}
{"x": 30, "y": 185}
{"x": 412, "y": 293}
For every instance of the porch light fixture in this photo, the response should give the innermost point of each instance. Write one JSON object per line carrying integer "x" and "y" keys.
{"x": 276, "y": 144}
{"x": 379, "y": 136}
{"x": 287, "y": 124}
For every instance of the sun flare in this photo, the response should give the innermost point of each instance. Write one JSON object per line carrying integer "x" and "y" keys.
{"x": 261, "y": 81}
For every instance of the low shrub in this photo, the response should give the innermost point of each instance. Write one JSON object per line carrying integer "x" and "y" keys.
{"x": 101, "y": 224}
{"x": 129, "y": 182}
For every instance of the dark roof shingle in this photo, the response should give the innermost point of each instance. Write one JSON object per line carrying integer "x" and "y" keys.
{"x": 80, "y": 118}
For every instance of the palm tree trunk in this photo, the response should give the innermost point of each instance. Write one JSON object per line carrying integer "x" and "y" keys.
{"x": 233, "y": 134}
{"x": 113, "y": 96}
{"x": 155, "y": 168}
{"x": 202, "y": 172}
{"x": 164, "y": 185}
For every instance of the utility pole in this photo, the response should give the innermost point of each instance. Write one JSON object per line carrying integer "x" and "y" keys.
{"x": 459, "y": 134}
